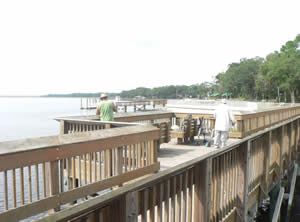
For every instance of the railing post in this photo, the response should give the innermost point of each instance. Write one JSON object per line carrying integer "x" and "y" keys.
{"x": 281, "y": 144}
{"x": 290, "y": 142}
{"x": 296, "y": 129}
{"x": 240, "y": 127}
{"x": 53, "y": 172}
{"x": 297, "y": 137}
{"x": 155, "y": 150}
{"x": 132, "y": 207}
{"x": 202, "y": 200}
{"x": 63, "y": 127}
{"x": 267, "y": 150}
{"x": 243, "y": 174}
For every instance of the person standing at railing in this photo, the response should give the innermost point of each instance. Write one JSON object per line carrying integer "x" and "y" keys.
{"x": 106, "y": 108}
{"x": 224, "y": 121}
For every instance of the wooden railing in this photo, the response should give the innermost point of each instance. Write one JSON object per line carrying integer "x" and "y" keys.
{"x": 186, "y": 132}
{"x": 248, "y": 124}
{"x": 160, "y": 119}
{"x": 219, "y": 186}
{"x": 46, "y": 173}
{"x": 69, "y": 125}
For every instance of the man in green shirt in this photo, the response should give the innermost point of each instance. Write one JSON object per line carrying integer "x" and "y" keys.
{"x": 106, "y": 109}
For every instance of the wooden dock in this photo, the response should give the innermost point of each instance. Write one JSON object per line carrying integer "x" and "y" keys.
{"x": 91, "y": 103}
{"x": 172, "y": 154}
{"x": 153, "y": 178}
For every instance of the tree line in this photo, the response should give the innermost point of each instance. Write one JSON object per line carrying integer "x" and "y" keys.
{"x": 276, "y": 77}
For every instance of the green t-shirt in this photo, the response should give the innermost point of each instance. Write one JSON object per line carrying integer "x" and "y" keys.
{"x": 106, "y": 111}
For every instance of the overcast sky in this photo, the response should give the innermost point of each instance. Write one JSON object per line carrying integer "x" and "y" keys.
{"x": 109, "y": 46}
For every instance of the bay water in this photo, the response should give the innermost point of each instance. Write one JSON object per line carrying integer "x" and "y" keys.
{"x": 27, "y": 117}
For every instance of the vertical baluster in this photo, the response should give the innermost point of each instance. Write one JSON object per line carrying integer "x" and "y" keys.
{"x": 230, "y": 179}
{"x": 178, "y": 197}
{"x": 152, "y": 201}
{"x": 134, "y": 156}
{"x": 184, "y": 196}
{"x": 148, "y": 153}
{"x": 126, "y": 158}
{"x": 100, "y": 165}
{"x": 139, "y": 159}
{"x": 104, "y": 165}
{"x": 61, "y": 170}
{"x": 79, "y": 171}
{"x": 213, "y": 190}
{"x": 5, "y": 190}
{"x": 167, "y": 202}
{"x": 227, "y": 170}
{"x": 68, "y": 173}
{"x": 73, "y": 172}
{"x": 113, "y": 163}
{"x": 44, "y": 179}
{"x": 221, "y": 186}
{"x": 14, "y": 188}
{"x": 129, "y": 157}
{"x": 22, "y": 186}
{"x": 218, "y": 189}
{"x": 144, "y": 206}
{"x": 37, "y": 186}
{"x": 85, "y": 169}
{"x": 190, "y": 194}
{"x": 90, "y": 167}
{"x": 143, "y": 153}
{"x": 95, "y": 167}
{"x": 29, "y": 184}
{"x": 152, "y": 151}
{"x": 236, "y": 162}
{"x": 160, "y": 187}
{"x": 173, "y": 199}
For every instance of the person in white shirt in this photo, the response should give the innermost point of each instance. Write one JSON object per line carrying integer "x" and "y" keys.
{"x": 224, "y": 121}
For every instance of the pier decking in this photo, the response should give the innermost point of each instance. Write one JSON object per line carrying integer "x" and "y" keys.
{"x": 154, "y": 178}
{"x": 172, "y": 154}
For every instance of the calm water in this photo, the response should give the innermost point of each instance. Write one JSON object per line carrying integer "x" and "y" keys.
{"x": 33, "y": 117}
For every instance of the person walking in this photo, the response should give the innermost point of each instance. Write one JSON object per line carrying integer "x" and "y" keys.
{"x": 106, "y": 109}
{"x": 224, "y": 121}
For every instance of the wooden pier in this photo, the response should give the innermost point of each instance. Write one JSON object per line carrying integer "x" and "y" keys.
{"x": 154, "y": 178}
{"x": 91, "y": 103}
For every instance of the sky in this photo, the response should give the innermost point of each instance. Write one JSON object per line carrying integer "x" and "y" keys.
{"x": 65, "y": 46}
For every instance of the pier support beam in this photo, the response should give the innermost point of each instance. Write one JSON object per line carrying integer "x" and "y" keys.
{"x": 243, "y": 174}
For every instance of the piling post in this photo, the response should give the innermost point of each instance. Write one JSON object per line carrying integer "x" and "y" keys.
{"x": 243, "y": 174}
{"x": 132, "y": 206}
{"x": 202, "y": 200}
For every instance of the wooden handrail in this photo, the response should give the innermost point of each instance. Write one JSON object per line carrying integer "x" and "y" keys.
{"x": 89, "y": 162}
{"x": 224, "y": 184}
{"x": 160, "y": 119}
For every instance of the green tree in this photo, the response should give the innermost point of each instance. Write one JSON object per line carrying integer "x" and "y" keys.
{"x": 283, "y": 68}
{"x": 239, "y": 78}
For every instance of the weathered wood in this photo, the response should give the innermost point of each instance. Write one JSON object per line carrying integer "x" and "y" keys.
{"x": 132, "y": 207}
{"x": 49, "y": 148}
{"x": 276, "y": 215}
{"x": 53, "y": 168}
{"x": 243, "y": 173}
{"x": 223, "y": 161}
{"x": 292, "y": 190}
